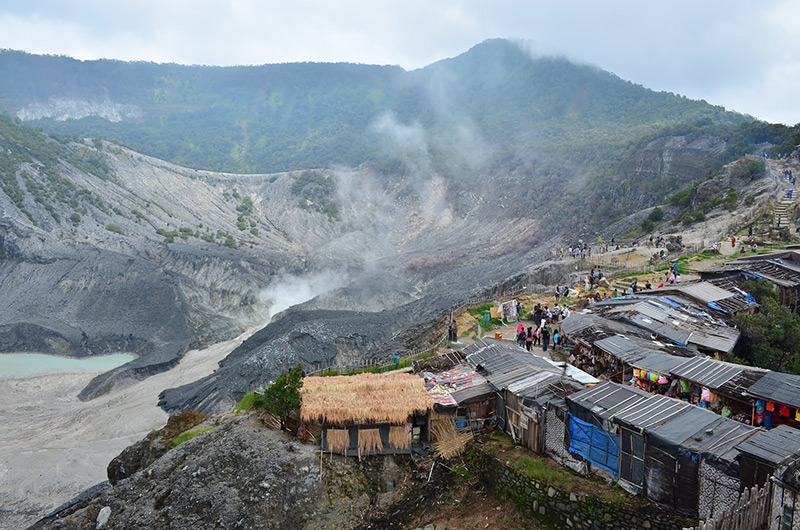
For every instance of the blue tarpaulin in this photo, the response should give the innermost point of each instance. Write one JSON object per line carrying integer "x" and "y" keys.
{"x": 594, "y": 444}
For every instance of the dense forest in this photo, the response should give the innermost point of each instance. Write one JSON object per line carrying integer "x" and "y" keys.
{"x": 493, "y": 102}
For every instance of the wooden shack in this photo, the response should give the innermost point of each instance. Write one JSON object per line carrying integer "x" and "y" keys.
{"x": 367, "y": 414}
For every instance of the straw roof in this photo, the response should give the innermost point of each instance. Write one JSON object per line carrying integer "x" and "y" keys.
{"x": 363, "y": 398}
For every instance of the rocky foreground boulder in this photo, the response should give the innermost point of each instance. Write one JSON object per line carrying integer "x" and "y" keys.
{"x": 152, "y": 447}
{"x": 242, "y": 474}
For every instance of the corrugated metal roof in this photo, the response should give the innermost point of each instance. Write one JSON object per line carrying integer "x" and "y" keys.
{"x": 531, "y": 381}
{"x": 773, "y": 446}
{"x": 775, "y": 386}
{"x": 703, "y": 292}
{"x": 576, "y": 373}
{"x": 779, "y": 273}
{"x": 501, "y": 380}
{"x": 717, "y": 338}
{"x": 555, "y": 388}
{"x": 659, "y": 362}
{"x": 674, "y": 422}
{"x": 665, "y": 330}
{"x": 607, "y": 399}
{"x": 720, "y": 438}
{"x": 625, "y": 349}
{"x": 652, "y": 310}
{"x": 578, "y": 322}
{"x": 706, "y": 372}
{"x": 473, "y": 393}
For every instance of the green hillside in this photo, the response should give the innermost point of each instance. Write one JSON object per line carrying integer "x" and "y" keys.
{"x": 494, "y": 100}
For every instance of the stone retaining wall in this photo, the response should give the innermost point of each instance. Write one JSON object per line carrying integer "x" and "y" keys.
{"x": 569, "y": 510}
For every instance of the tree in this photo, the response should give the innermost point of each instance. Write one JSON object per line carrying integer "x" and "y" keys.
{"x": 771, "y": 337}
{"x": 282, "y": 397}
{"x": 656, "y": 215}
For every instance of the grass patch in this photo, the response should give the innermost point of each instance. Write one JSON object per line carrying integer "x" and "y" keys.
{"x": 489, "y": 325}
{"x": 461, "y": 470}
{"x": 111, "y": 227}
{"x": 539, "y": 470}
{"x": 613, "y": 495}
{"x": 188, "y": 435}
{"x": 479, "y": 310}
{"x": 502, "y": 439}
{"x": 246, "y": 404}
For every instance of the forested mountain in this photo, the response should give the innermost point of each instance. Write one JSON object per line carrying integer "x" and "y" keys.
{"x": 493, "y": 101}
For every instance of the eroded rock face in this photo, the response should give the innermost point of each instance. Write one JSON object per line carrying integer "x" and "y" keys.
{"x": 241, "y": 475}
{"x": 152, "y": 447}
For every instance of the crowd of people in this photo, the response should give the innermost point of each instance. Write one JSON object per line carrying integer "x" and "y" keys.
{"x": 545, "y": 331}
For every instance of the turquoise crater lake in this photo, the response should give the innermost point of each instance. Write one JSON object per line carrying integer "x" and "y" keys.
{"x": 25, "y": 365}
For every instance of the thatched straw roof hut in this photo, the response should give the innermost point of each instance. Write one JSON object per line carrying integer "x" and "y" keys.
{"x": 364, "y": 398}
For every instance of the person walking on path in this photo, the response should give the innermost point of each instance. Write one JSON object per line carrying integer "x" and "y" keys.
{"x": 529, "y": 338}
{"x": 521, "y": 338}
{"x": 545, "y": 338}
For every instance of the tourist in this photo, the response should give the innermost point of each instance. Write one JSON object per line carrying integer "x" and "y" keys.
{"x": 545, "y": 337}
{"x": 529, "y": 338}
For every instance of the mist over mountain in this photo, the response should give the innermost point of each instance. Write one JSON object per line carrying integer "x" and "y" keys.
{"x": 492, "y": 100}
{"x": 376, "y": 199}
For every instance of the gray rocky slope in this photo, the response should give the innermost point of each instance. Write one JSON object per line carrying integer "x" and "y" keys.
{"x": 242, "y": 475}
{"x": 155, "y": 259}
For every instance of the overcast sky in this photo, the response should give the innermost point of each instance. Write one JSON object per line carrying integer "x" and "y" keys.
{"x": 743, "y": 54}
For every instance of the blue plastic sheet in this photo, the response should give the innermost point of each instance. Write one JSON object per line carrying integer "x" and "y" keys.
{"x": 594, "y": 444}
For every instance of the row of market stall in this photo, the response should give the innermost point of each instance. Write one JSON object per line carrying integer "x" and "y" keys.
{"x": 609, "y": 344}
{"x": 675, "y": 453}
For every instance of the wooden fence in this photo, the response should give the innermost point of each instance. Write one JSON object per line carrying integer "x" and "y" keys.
{"x": 750, "y": 512}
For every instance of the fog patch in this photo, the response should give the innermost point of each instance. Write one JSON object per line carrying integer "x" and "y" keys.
{"x": 290, "y": 290}
{"x": 62, "y": 109}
